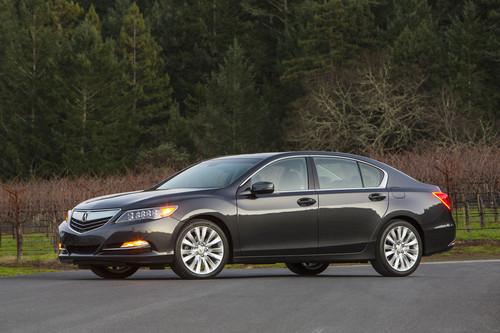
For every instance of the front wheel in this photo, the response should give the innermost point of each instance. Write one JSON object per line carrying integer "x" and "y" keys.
{"x": 399, "y": 250}
{"x": 307, "y": 268}
{"x": 201, "y": 251}
{"x": 113, "y": 272}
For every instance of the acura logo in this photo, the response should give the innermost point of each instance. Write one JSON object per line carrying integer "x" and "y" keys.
{"x": 84, "y": 217}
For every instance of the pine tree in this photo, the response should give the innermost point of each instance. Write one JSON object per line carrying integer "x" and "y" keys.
{"x": 30, "y": 99}
{"x": 147, "y": 85}
{"x": 231, "y": 114}
{"x": 466, "y": 50}
{"x": 330, "y": 33}
{"x": 416, "y": 40}
{"x": 92, "y": 81}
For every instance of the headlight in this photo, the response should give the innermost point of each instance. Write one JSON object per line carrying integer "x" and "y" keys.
{"x": 146, "y": 214}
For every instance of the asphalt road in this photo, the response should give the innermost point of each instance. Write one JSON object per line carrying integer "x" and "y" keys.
{"x": 444, "y": 297}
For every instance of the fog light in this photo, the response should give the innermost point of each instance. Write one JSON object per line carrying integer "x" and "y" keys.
{"x": 136, "y": 243}
{"x": 60, "y": 246}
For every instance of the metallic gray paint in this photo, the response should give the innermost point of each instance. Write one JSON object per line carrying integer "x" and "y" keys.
{"x": 343, "y": 225}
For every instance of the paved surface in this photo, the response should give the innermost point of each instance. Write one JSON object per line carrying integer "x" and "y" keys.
{"x": 444, "y": 297}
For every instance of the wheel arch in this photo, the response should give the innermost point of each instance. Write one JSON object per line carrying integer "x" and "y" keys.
{"x": 220, "y": 223}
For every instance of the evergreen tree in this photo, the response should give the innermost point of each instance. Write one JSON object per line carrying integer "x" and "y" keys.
{"x": 416, "y": 41}
{"x": 330, "y": 33}
{"x": 466, "y": 50}
{"x": 194, "y": 36}
{"x": 30, "y": 100}
{"x": 148, "y": 91}
{"x": 92, "y": 81}
{"x": 231, "y": 114}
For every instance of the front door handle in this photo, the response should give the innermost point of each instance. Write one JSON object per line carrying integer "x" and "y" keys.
{"x": 376, "y": 197}
{"x": 303, "y": 202}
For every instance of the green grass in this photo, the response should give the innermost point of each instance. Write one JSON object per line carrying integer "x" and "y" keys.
{"x": 486, "y": 234}
{"x": 483, "y": 251}
{"x": 37, "y": 247}
{"x": 35, "y": 244}
{"x": 15, "y": 271}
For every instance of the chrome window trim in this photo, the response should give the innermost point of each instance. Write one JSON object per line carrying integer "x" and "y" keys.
{"x": 383, "y": 183}
{"x": 278, "y": 160}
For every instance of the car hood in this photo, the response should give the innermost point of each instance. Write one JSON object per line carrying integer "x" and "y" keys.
{"x": 137, "y": 199}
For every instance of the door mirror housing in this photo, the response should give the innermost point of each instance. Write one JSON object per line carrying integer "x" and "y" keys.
{"x": 262, "y": 188}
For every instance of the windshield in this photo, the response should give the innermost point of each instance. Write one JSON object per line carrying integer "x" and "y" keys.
{"x": 210, "y": 174}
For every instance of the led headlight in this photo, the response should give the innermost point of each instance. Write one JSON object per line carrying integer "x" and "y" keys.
{"x": 146, "y": 214}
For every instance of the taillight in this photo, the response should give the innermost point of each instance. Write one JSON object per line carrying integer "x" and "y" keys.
{"x": 444, "y": 198}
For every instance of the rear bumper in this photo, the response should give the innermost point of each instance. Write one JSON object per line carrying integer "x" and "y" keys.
{"x": 101, "y": 246}
{"x": 440, "y": 238}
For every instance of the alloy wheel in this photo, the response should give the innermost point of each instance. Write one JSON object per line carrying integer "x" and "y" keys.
{"x": 202, "y": 250}
{"x": 401, "y": 248}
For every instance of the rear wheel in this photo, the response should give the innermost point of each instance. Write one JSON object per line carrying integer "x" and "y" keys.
{"x": 307, "y": 268}
{"x": 399, "y": 250}
{"x": 114, "y": 272}
{"x": 201, "y": 250}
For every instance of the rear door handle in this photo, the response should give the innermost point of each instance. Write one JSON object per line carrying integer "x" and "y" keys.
{"x": 376, "y": 197}
{"x": 303, "y": 202}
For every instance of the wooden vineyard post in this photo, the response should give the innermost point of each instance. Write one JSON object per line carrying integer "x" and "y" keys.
{"x": 494, "y": 206}
{"x": 480, "y": 207}
{"x": 466, "y": 212}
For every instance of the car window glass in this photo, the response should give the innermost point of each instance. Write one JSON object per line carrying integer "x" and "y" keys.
{"x": 216, "y": 173}
{"x": 286, "y": 175}
{"x": 337, "y": 173}
{"x": 372, "y": 177}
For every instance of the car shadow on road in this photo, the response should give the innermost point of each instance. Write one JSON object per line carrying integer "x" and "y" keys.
{"x": 239, "y": 276}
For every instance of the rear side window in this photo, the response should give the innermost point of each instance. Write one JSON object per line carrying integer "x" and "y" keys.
{"x": 372, "y": 177}
{"x": 337, "y": 173}
{"x": 286, "y": 175}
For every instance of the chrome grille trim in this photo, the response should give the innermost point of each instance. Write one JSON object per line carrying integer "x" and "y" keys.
{"x": 86, "y": 220}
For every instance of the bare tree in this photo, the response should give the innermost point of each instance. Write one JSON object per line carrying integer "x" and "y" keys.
{"x": 15, "y": 203}
{"x": 368, "y": 112}
{"x": 452, "y": 125}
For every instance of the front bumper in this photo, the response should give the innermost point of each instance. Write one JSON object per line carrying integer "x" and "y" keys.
{"x": 99, "y": 246}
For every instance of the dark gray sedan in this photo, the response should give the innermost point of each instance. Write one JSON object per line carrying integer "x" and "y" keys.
{"x": 306, "y": 209}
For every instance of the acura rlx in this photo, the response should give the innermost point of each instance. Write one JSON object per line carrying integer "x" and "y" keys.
{"x": 305, "y": 209}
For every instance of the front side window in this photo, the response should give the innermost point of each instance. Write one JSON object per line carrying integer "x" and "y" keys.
{"x": 337, "y": 173}
{"x": 286, "y": 175}
{"x": 216, "y": 173}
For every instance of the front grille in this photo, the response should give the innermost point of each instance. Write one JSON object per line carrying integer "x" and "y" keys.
{"x": 86, "y": 220}
{"x": 83, "y": 226}
{"x": 79, "y": 249}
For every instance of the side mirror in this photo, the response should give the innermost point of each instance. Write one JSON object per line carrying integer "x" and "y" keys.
{"x": 262, "y": 188}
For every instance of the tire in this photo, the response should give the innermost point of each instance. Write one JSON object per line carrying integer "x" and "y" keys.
{"x": 399, "y": 250}
{"x": 306, "y": 268}
{"x": 113, "y": 272}
{"x": 201, "y": 250}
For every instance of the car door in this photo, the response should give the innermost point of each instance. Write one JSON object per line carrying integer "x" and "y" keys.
{"x": 283, "y": 222}
{"x": 352, "y": 202}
